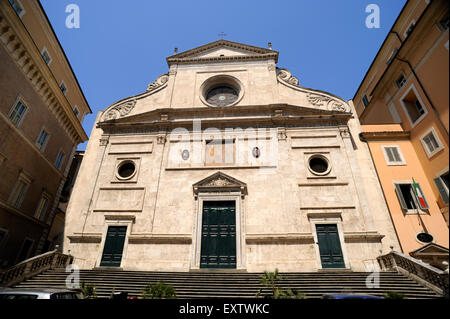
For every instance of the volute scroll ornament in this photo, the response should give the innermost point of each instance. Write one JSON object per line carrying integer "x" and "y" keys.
{"x": 286, "y": 76}
{"x": 162, "y": 79}
{"x": 326, "y": 102}
{"x": 120, "y": 110}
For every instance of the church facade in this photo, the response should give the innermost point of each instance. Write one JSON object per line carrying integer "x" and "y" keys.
{"x": 226, "y": 162}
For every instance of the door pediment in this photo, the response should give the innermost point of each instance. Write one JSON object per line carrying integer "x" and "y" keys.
{"x": 220, "y": 182}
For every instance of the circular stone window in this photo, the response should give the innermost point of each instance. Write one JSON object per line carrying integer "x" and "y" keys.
{"x": 319, "y": 165}
{"x": 222, "y": 95}
{"x": 126, "y": 170}
{"x": 425, "y": 237}
{"x": 221, "y": 90}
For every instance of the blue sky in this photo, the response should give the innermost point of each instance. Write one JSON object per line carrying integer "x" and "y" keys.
{"x": 121, "y": 46}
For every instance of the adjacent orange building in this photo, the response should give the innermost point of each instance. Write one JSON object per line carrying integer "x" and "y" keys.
{"x": 403, "y": 105}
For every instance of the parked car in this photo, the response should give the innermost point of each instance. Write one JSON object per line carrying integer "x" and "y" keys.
{"x": 349, "y": 296}
{"x": 24, "y": 294}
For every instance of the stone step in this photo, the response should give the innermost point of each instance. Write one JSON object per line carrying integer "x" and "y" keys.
{"x": 232, "y": 285}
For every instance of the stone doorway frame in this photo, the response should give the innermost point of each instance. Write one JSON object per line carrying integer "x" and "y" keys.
{"x": 219, "y": 187}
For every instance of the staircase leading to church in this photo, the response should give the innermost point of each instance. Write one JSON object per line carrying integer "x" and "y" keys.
{"x": 231, "y": 285}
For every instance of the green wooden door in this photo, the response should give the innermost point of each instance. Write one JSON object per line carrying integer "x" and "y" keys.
{"x": 112, "y": 252}
{"x": 330, "y": 246}
{"x": 218, "y": 248}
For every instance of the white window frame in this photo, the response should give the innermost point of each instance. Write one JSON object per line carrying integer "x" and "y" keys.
{"x": 14, "y": 194}
{"x": 446, "y": 189}
{"x": 402, "y": 162}
{"x": 65, "y": 86}
{"x": 45, "y": 50}
{"x": 405, "y": 109}
{"x": 20, "y": 15}
{"x": 404, "y": 83}
{"x": 405, "y": 35}
{"x": 38, "y": 214}
{"x": 42, "y": 148}
{"x": 410, "y": 211}
{"x": 425, "y": 146}
{"x": 24, "y": 103}
{"x": 62, "y": 160}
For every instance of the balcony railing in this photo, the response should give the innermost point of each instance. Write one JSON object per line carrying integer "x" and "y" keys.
{"x": 431, "y": 277}
{"x": 33, "y": 266}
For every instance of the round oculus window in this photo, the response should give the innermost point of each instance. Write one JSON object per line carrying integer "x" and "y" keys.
{"x": 256, "y": 152}
{"x": 425, "y": 237}
{"x": 126, "y": 169}
{"x": 318, "y": 165}
{"x": 222, "y": 95}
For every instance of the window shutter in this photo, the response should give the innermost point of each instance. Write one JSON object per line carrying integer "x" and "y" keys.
{"x": 400, "y": 197}
{"x": 389, "y": 154}
{"x": 396, "y": 154}
{"x": 440, "y": 186}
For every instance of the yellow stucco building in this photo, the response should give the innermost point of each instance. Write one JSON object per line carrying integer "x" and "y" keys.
{"x": 403, "y": 104}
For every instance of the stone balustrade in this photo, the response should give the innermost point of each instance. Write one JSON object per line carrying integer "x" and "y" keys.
{"x": 34, "y": 266}
{"x": 425, "y": 274}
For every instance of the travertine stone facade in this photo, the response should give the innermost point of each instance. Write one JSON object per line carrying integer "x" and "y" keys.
{"x": 167, "y": 132}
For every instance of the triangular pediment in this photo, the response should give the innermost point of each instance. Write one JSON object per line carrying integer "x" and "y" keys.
{"x": 430, "y": 249}
{"x": 222, "y": 50}
{"x": 220, "y": 181}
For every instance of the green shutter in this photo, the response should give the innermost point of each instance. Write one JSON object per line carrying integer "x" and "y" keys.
{"x": 400, "y": 197}
{"x": 442, "y": 190}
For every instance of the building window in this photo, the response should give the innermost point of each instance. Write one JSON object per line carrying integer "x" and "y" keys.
{"x": 59, "y": 159}
{"x": 365, "y": 100}
{"x": 392, "y": 56}
{"x": 19, "y": 191}
{"x": 443, "y": 24}
{"x": 42, "y": 140}
{"x": 409, "y": 29}
{"x": 431, "y": 143}
{"x": 18, "y": 7}
{"x": 63, "y": 87}
{"x": 17, "y": 112}
{"x": 46, "y": 56}
{"x": 442, "y": 184}
{"x": 319, "y": 165}
{"x": 400, "y": 81}
{"x": 126, "y": 169}
{"x": 76, "y": 111}
{"x": 413, "y": 106}
{"x": 25, "y": 250}
{"x": 41, "y": 210}
{"x": 411, "y": 198}
{"x": 393, "y": 155}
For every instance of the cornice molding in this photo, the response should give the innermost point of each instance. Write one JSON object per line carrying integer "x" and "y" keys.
{"x": 189, "y": 56}
{"x": 26, "y": 55}
{"x": 386, "y": 135}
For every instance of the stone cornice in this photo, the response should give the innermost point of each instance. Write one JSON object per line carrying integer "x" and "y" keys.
{"x": 385, "y": 135}
{"x": 264, "y": 115}
{"x": 20, "y": 46}
{"x": 190, "y": 56}
{"x": 306, "y": 238}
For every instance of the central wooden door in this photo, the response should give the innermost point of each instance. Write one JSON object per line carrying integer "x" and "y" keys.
{"x": 218, "y": 247}
{"x": 330, "y": 246}
{"x": 112, "y": 252}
